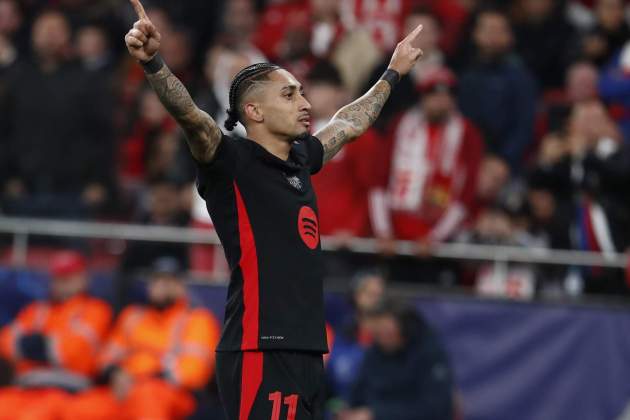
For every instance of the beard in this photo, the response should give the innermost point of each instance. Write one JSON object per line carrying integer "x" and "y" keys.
{"x": 163, "y": 304}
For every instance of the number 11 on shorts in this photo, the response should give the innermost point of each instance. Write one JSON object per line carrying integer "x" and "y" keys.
{"x": 290, "y": 400}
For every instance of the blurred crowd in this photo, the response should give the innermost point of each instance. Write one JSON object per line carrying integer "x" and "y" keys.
{"x": 67, "y": 357}
{"x": 512, "y": 130}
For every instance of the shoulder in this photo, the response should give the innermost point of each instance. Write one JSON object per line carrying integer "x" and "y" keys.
{"x": 32, "y": 308}
{"x": 96, "y": 304}
{"x": 201, "y": 319}
{"x": 309, "y": 150}
{"x": 231, "y": 154}
{"x": 201, "y": 314}
{"x": 470, "y": 127}
{"x": 229, "y": 144}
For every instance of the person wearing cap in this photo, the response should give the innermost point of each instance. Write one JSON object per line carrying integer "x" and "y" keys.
{"x": 53, "y": 344}
{"x": 432, "y": 158}
{"x": 156, "y": 356}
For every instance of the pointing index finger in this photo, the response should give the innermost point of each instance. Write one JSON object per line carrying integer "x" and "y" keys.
{"x": 409, "y": 38}
{"x": 137, "y": 6}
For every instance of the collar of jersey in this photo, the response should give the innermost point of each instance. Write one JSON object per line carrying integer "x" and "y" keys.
{"x": 294, "y": 163}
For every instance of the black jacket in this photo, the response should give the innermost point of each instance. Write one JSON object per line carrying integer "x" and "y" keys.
{"x": 414, "y": 383}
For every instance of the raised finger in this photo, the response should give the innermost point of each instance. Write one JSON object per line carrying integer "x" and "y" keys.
{"x": 136, "y": 33}
{"x": 412, "y": 36}
{"x": 137, "y": 6}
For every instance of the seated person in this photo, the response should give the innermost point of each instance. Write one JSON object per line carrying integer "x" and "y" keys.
{"x": 405, "y": 375}
{"x": 53, "y": 344}
{"x": 352, "y": 339}
{"x": 156, "y": 357}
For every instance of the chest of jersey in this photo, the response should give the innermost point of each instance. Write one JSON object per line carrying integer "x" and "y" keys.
{"x": 281, "y": 205}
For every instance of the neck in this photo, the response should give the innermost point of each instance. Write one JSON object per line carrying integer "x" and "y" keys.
{"x": 278, "y": 147}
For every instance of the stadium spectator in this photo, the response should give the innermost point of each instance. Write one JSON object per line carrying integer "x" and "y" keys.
{"x": 608, "y": 35}
{"x": 549, "y": 199}
{"x": 152, "y": 147}
{"x": 593, "y": 167}
{"x": 550, "y": 215}
{"x": 51, "y": 110}
{"x": 239, "y": 27}
{"x": 454, "y": 16}
{"x": 352, "y": 339}
{"x": 581, "y": 82}
{"x": 580, "y": 85}
{"x": 8, "y": 54}
{"x": 176, "y": 49}
{"x": 496, "y": 90}
{"x": 543, "y": 22}
{"x": 406, "y": 351}
{"x": 53, "y": 344}
{"x": 431, "y": 164}
{"x": 432, "y": 160}
{"x": 163, "y": 207}
{"x": 11, "y": 23}
{"x": 494, "y": 175}
{"x": 614, "y": 88}
{"x": 315, "y": 22}
{"x": 156, "y": 357}
{"x": 12, "y": 27}
{"x": 93, "y": 50}
{"x": 498, "y": 225}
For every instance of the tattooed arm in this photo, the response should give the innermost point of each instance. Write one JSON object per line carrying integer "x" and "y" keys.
{"x": 354, "y": 119}
{"x": 202, "y": 133}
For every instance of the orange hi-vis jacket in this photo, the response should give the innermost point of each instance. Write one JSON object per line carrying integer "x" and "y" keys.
{"x": 177, "y": 344}
{"x": 74, "y": 331}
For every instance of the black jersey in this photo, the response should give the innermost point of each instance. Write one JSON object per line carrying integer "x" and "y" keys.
{"x": 265, "y": 213}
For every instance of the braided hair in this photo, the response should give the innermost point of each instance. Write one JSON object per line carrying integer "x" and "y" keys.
{"x": 241, "y": 83}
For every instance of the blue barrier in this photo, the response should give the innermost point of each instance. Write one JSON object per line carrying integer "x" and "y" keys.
{"x": 512, "y": 361}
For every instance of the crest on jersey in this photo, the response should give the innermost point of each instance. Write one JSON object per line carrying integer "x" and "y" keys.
{"x": 295, "y": 182}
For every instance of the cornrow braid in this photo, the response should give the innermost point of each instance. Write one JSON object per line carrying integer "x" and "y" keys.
{"x": 243, "y": 80}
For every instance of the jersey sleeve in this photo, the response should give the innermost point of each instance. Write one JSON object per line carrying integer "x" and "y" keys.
{"x": 221, "y": 166}
{"x": 315, "y": 153}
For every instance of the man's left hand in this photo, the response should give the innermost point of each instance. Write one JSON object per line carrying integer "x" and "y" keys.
{"x": 406, "y": 55}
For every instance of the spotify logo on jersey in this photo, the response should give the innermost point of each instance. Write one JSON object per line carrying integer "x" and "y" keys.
{"x": 308, "y": 227}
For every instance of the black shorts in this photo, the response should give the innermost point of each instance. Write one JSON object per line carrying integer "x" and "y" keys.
{"x": 271, "y": 385}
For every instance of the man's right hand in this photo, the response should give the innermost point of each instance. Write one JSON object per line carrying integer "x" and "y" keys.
{"x": 143, "y": 40}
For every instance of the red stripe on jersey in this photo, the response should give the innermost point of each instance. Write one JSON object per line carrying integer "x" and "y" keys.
{"x": 251, "y": 378}
{"x": 249, "y": 268}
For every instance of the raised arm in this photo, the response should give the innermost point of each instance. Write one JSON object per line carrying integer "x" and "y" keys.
{"x": 202, "y": 133}
{"x": 355, "y": 118}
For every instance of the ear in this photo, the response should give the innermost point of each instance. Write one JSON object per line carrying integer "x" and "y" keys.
{"x": 254, "y": 112}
